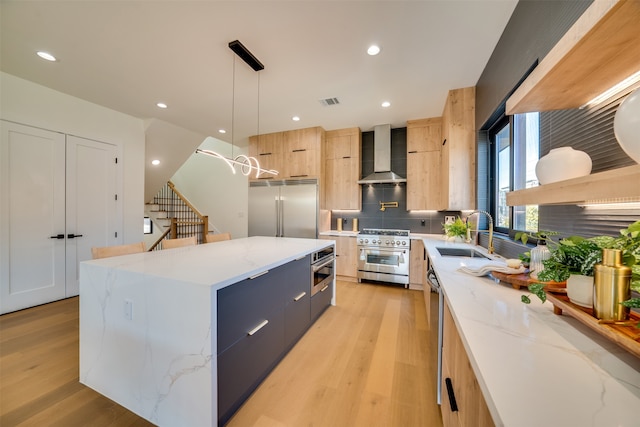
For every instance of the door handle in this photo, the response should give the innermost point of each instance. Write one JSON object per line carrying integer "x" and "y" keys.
{"x": 57, "y": 236}
{"x": 452, "y": 397}
{"x": 73, "y": 236}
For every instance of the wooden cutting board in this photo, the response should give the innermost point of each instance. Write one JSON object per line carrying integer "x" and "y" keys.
{"x": 518, "y": 281}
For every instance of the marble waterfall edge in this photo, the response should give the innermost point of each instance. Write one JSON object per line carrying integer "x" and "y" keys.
{"x": 157, "y": 362}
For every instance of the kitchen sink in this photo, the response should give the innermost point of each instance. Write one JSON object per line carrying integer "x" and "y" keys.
{"x": 461, "y": 252}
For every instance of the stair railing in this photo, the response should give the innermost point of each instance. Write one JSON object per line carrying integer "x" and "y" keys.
{"x": 186, "y": 220}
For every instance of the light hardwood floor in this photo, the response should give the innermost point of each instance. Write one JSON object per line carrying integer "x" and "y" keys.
{"x": 366, "y": 362}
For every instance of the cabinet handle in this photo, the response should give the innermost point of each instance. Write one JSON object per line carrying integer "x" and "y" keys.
{"x": 452, "y": 396}
{"x": 325, "y": 288}
{"x": 445, "y": 141}
{"x": 299, "y": 150}
{"x": 73, "y": 236}
{"x": 258, "y": 275}
{"x": 411, "y": 152}
{"x": 264, "y": 154}
{"x": 299, "y": 297}
{"x": 346, "y": 157}
{"x": 257, "y": 328}
{"x": 298, "y": 176}
{"x": 57, "y": 236}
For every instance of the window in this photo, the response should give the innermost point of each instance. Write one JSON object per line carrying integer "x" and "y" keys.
{"x": 515, "y": 153}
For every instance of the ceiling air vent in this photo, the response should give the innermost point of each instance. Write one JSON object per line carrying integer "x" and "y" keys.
{"x": 328, "y": 102}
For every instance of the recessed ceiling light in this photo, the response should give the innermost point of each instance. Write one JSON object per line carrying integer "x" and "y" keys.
{"x": 222, "y": 131}
{"x": 373, "y": 50}
{"x": 47, "y": 56}
{"x": 161, "y": 105}
{"x": 386, "y": 104}
{"x": 155, "y": 162}
{"x": 295, "y": 118}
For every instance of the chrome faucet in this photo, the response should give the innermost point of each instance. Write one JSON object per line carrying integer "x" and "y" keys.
{"x": 490, "y": 245}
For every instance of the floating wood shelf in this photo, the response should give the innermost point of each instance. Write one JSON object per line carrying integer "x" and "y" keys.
{"x": 601, "y": 49}
{"x": 609, "y": 186}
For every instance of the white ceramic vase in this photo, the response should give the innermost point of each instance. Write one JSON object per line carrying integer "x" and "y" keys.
{"x": 562, "y": 163}
{"x": 626, "y": 125}
{"x": 580, "y": 290}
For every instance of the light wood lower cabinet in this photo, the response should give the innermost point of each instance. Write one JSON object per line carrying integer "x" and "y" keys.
{"x": 417, "y": 263}
{"x": 346, "y": 255}
{"x": 462, "y": 400}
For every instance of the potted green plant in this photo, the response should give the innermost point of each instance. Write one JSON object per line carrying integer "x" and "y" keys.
{"x": 579, "y": 255}
{"x": 456, "y": 230}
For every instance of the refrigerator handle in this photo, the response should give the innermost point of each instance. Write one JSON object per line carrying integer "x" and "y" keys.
{"x": 281, "y": 217}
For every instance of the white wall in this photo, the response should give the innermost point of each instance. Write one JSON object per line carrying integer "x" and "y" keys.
{"x": 31, "y": 104}
{"x": 214, "y": 190}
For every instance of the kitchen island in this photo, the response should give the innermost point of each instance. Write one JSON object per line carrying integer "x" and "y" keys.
{"x": 149, "y": 331}
{"x": 534, "y": 368}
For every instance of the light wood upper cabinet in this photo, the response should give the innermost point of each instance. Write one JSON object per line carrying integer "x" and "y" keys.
{"x": 342, "y": 170}
{"x": 601, "y": 49}
{"x": 423, "y": 164}
{"x": 459, "y": 151}
{"x": 294, "y": 154}
{"x": 269, "y": 151}
{"x": 303, "y": 152}
{"x": 472, "y": 409}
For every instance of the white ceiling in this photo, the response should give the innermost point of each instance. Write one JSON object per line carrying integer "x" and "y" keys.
{"x": 129, "y": 55}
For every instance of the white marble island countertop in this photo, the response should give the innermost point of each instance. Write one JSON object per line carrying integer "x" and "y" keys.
{"x": 536, "y": 368}
{"x": 216, "y": 264}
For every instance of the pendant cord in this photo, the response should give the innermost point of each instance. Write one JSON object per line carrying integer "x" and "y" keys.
{"x": 258, "y": 126}
{"x": 233, "y": 105}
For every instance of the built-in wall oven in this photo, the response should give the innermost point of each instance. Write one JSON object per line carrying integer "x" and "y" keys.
{"x": 384, "y": 255}
{"x": 322, "y": 265}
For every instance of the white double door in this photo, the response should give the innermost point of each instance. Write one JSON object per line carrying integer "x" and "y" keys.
{"x": 57, "y": 200}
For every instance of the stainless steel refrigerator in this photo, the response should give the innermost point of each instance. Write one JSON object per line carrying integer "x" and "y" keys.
{"x": 283, "y": 208}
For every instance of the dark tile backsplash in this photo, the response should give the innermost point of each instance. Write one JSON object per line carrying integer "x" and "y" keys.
{"x": 372, "y": 195}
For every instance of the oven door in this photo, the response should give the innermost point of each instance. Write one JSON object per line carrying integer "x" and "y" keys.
{"x": 378, "y": 260}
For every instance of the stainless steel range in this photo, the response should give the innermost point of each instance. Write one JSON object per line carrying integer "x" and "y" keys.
{"x": 384, "y": 255}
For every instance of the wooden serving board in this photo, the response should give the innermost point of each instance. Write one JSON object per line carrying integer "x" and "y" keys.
{"x": 625, "y": 334}
{"x": 518, "y": 281}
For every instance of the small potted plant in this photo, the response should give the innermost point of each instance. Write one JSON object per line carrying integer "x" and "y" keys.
{"x": 456, "y": 230}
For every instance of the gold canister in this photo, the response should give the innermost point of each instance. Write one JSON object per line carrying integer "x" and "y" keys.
{"x": 355, "y": 225}
{"x": 339, "y": 224}
{"x": 611, "y": 286}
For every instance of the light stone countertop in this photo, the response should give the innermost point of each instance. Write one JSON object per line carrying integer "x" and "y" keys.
{"x": 536, "y": 368}
{"x": 216, "y": 264}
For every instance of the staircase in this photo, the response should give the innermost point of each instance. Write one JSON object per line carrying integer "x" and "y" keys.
{"x": 178, "y": 217}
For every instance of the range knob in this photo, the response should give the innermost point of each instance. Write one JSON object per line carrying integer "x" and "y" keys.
{"x": 366, "y": 240}
{"x": 386, "y": 242}
{"x": 404, "y": 243}
{"x": 379, "y": 241}
{"x": 398, "y": 242}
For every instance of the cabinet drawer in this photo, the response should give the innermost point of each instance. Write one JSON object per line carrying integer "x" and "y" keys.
{"x": 242, "y": 367}
{"x": 297, "y": 316}
{"x": 244, "y": 305}
{"x": 320, "y": 302}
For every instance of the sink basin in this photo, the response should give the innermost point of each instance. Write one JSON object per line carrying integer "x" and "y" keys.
{"x": 461, "y": 252}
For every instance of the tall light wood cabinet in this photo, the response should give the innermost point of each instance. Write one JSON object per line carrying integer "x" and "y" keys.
{"x": 458, "y": 178}
{"x": 423, "y": 164}
{"x": 459, "y": 383}
{"x": 294, "y": 154}
{"x": 342, "y": 169}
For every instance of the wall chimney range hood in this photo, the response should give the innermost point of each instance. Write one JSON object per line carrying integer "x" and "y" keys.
{"x": 382, "y": 159}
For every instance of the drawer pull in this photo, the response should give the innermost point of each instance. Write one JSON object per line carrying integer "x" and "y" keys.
{"x": 452, "y": 396}
{"x": 325, "y": 288}
{"x": 258, "y": 275}
{"x": 299, "y": 297}
{"x": 299, "y": 150}
{"x": 257, "y": 328}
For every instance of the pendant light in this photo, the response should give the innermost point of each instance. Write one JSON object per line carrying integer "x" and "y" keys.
{"x": 247, "y": 164}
